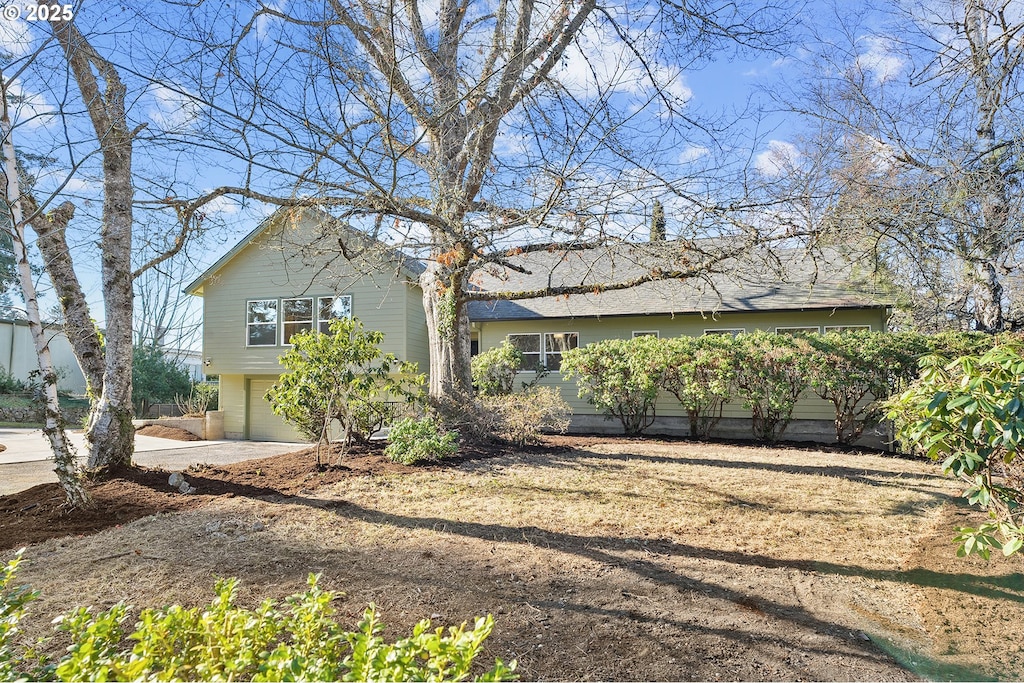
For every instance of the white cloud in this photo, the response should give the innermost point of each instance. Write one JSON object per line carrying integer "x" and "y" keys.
{"x": 265, "y": 21}
{"x": 693, "y": 153}
{"x": 226, "y": 205}
{"x": 172, "y": 110}
{"x": 777, "y": 159}
{"x": 30, "y": 110}
{"x": 880, "y": 59}
{"x": 15, "y": 37}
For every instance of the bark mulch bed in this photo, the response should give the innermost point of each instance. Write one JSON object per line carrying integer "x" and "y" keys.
{"x": 165, "y": 432}
{"x": 39, "y": 513}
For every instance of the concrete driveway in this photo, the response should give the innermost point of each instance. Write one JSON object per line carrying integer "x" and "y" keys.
{"x": 26, "y": 460}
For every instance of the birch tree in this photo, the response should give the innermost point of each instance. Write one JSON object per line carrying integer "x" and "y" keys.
{"x": 65, "y": 458}
{"x": 469, "y": 132}
{"x": 917, "y": 123}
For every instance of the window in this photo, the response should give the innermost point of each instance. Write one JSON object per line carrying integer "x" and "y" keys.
{"x": 297, "y": 315}
{"x": 261, "y": 322}
{"x": 555, "y": 344}
{"x": 796, "y": 331}
{"x": 332, "y": 308}
{"x": 645, "y": 333}
{"x": 848, "y": 328}
{"x": 529, "y": 346}
{"x": 543, "y": 351}
{"x": 731, "y": 331}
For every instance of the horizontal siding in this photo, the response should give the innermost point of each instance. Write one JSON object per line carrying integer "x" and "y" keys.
{"x": 269, "y": 268}
{"x": 417, "y": 347}
{"x": 592, "y": 330}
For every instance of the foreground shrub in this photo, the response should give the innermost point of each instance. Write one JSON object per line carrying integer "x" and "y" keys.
{"x": 294, "y": 640}
{"x": 969, "y": 412}
{"x": 855, "y": 371}
{"x": 341, "y": 377}
{"x": 770, "y": 377}
{"x": 411, "y": 441}
{"x": 618, "y": 377}
{"x": 523, "y": 416}
{"x": 700, "y": 372}
{"x": 494, "y": 370}
{"x": 13, "y": 602}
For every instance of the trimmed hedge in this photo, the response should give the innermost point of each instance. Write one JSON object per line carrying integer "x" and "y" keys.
{"x": 854, "y": 371}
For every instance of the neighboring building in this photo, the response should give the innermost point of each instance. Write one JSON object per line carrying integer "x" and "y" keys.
{"x": 290, "y": 274}
{"x": 18, "y": 355}
{"x": 189, "y": 360}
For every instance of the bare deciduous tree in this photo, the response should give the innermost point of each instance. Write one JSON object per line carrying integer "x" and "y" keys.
{"x": 918, "y": 147}
{"x": 469, "y": 132}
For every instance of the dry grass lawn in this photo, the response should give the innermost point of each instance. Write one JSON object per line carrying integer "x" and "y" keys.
{"x": 614, "y": 560}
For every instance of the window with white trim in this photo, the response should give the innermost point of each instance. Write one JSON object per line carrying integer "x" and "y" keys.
{"x": 332, "y": 308}
{"x": 543, "y": 350}
{"x": 261, "y": 322}
{"x": 528, "y": 346}
{"x": 296, "y": 316}
{"x": 731, "y": 331}
{"x": 646, "y": 333}
{"x": 555, "y": 343}
{"x": 796, "y": 331}
{"x": 848, "y": 328}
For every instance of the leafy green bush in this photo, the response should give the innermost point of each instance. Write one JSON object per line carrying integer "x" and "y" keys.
{"x": 620, "y": 377}
{"x": 855, "y": 371}
{"x": 770, "y": 377}
{"x": 701, "y": 373}
{"x": 342, "y": 376}
{"x": 494, "y": 370}
{"x": 521, "y": 417}
{"x": 969, "y": 412}
{"x": 13, "y": 602}
{"x": 294, "y": 640}
{"x": 411, "y": 441}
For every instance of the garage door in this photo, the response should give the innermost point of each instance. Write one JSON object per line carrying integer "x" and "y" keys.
{"x": 264, "y": 425}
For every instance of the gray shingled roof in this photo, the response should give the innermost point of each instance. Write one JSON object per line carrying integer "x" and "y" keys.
{"x": 787, "y": 279}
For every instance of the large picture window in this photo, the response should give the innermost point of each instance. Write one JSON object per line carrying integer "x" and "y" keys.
{"x": 297, "y": 315}
{"x": 333, "y": 308}
{"x": 261, "y": 322}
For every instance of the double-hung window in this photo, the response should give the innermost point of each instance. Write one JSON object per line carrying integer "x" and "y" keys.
{"x": 297, "y": 315}
{"x": 528, "y": 346}
{"x": 261, "y": 322}
{"x": 543, "y": 350}
{"x": 332, "y": 308}
{"x": 796, "y": 331}
{"x": 848, "y": 328}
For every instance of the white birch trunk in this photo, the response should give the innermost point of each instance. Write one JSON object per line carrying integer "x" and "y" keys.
{"x": 66, "y": 462}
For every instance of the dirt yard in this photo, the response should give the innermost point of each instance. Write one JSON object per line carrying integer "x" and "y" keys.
{"x": 601, "y": 559}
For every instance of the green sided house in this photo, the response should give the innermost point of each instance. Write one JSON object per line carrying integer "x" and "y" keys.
{"x": 300, "y": 268}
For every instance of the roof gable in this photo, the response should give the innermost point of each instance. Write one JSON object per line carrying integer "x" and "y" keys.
{"x": 408, "y": 266}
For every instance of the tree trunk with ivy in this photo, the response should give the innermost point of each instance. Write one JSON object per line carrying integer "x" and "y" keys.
{"x": 448, "y": 336}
